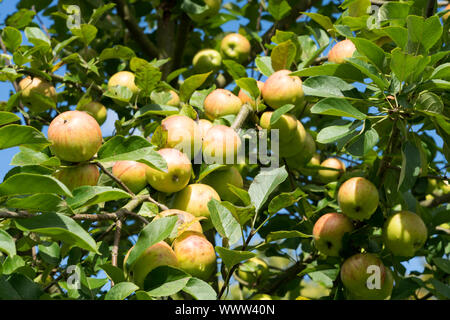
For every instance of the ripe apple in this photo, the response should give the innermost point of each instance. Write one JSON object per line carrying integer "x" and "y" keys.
{"x": 195, "y": 254}
{"x": 95, "y": 109}
{"x": 124, "y": 79}
{"x": 327, "y": 176}
{"x": 301, "y": 159}
{"x": 207, "y": 60}
{"x": 75, "y": 136}
{"x": 255, "y": 271}
{"x": 179, "y": 170}
{"x": 247, "y": 99}
{"x": 286, "y": 125}
{"x": 221, "y": 145}
{"x": 82, "y": 175}
{"x": 183, "y": 134}
{"x": 32, "y": 89}
{"x": 329, "y": 230}
{"x": 159, "y": 254}
{"x": 212, "y": 8}
{"x": 404, "y": 233}
{"x": 204, "y": 125}
{"x": 221, "y": 102}
{"x": 174, "y": 100}
{"x": 358, "y": 198}
{"x": 294, "y": 145}
{"x": 185, "y": 222}
{"x": 281, "y": 89}
{"x": 132, "y": 174}
{"x": 355, "y": 274}
{"x": 220, "y": 179}
{"x": 340, "y": 51}
{"x": 236, "y": 47}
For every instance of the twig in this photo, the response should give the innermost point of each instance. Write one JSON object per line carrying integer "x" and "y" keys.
{"x": 33, "y": 8}
{"x": 160, "y": 205}
{"x": 115, "y": 249}
{"x": 245, "y": 111}
{"x": 117, "y": 180}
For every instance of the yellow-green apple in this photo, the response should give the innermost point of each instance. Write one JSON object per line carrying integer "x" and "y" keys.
{"x": 220, "y": 179}
{"x": 212, "y": 7}
{"x": 281, "y": 89}
{"x": 340, "y": 51}
{"x": 358, "y": 198}
{"x": 186, "y": 221}
{"x": 328, "y": 232}
{"x": 301, "y": 159}
{"x": 124, "y": 79}
{"x": 77, "y": 176}
{"x": 255, "y": 271}
{"x": 95, "y": 109}
{"x": 221, "y": 102}
{"x": 204, "y": 125}
{"x": 75, "y": 136}
{"x": 177, "y": 176}
{"x": 195, "y": 254}
{"x": 207, "y": 60}
{"x": 174, "y": 100}
{"x": 183, "y": 134}
{"x": 286, "y": 125}
{"x": 245, "y": 98}
{"x": 132, "y": 174}
{"x": 314, "y": 161}
{"x": 31, "y": 90}
{"x": 236, "y": 47}
{"x": 404, "y": 233}
{"x": 221, "y": 145}
{"x": 294, "y": 145}
{"x": 327, "y": 176}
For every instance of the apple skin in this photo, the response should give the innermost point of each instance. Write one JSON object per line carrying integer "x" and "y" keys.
{"x": 204, "y": 125}
{"x": 159, "y": 254}
{"x": 236, "y": 47}
{"x": 257, "y": 277}
{"x": 183, "y": 134}
{"x": 221, "y": 145}
{"x": 314, "y": 161}
{"x": 340, "y": 51}
{"x": 301, "y": 159}
{"x": 195, "y": 254}
{"x": 75, "y": 135}
{"x": 74, "y": 177}
{"x": 132, "y": 174}
{"x": 294, "y": 145}
{"x": 219, "y": 180}
{"x": 280, "y": 89}
{"x": 213, "y": 7}
{"x": 286, "y": 125}
{"x": 179, "y": 170}
{"x": 404, "y": 233}
{"x": 207, "y": 60}
{"x": 31, "y": 88}
{"x": 329, "y": 230}
{"x": 95, "y": 109}
{"x": 124, "y": 79}
{"x": 354, "y": 276}
{"x": 327, "y": 176}
{"x": 175, "y": 100}
{"x": 358, "y": 198}
{"x": 221, "y": 102}
{"x": 247, "y": 99}
{"x": 186, "y": 221}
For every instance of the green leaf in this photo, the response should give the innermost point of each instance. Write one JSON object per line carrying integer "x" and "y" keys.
{"x": 340, "y": 70}
{"x": 250, "y": 86}
{"x": 86, "y": 32}
{"x": 19, "y": 287}
{"x": 328, "y": 86}
{"x": 264, "y": 184}
{"x": 241, "y": 214}
{"x": 117, "y": 52}
{"x": 29, "y": 157}
{"x": 264, "y": 65}
{"x": 324, "y": 21}
{"x": 7, "y": 117}
{"x": 114, "y": 273}
{"x": 29, "y": 183}
{"x": 285, "y": 200}
{"x": 422, "y": 34}
{"x": 99, "y": 12}
{"x": 191, "y": 84}
{"x": 334, "y": 133}
{"x": 233, "y": 257}
{"x": 337, "y": 107}
{"x": 165, "y": 281}
{"x": 393, "y": 11}
{"x": 12, "y": 263}
{"x": 7, "y": 244}
{"x": 147, "y": 78}
{"x": 404, "y": 65}
{"x": 398, "y": 34}
{"x": 12, "y": 38}
{"x": 121, "y": 290}
{"x": 235, "y": 69}
{"x": 278, "y": 9}
{"x": 364, "y": 143}
{"x": 429, "y": 103}
{"x": 43, "y": 202}
{"x": 276, "y": 115}
{"x": 89, "y": 195}
{"x": 156, "y": 109}
{"x": 50, "y": 252}
{"x": 410, "y": 166}
{"x": 120, "y": 93}
{"x": 199, "y": 96}
{"x": 200, "y": 289}
{"x": 368, "y": 70}
{"x": 441, "y": 72}
{"x": 36, "y": 36}
{"x": 224, "y": 222}
{"x": 206, "y": 169}
{"x": 278, "y": 235}
{"x": 374, "y": 53}
{"x": 283, "y": 55}
{"x": 20, "y": 19}
{"x": 14, "y": 135}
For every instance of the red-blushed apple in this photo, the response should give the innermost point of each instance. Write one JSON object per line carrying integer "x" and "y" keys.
{"x": 207, "y": 60}
{"x": 75, "y": 136}
{"x": 294, "y": 145}
{"x": 124, "y": 79}
{"x": 204, "y": 125}
{"x": 301, "y": 159}
{"x": 177, "y": 176}
{"x": 174, "y": 100}
{"x": 95, "y": 109}
{"x": 77, "y": 176}
{"x": 183, "y": 134}
{"x": 254, "y": 271}
{"x": 281, "y": 89}
{"x": 246, "y": 98}
{"x": 328, "y": 232}
{"x": 132, "y": 174}
{"x": 340, "y": 51}
{"x": 221, "y": 102}
{"x": 219, "y": 180}
{"x": 186, "y": 221}
{"x": 358, "y": 198}
{"x": 236, "y": 47}
{"x": 327, "y": 176}
{"x": 31, "y": 90}
{"x": 212, "y": 8}
{"x": 286, "y": 125}
{"x": 221, "y": 145}
{"x": 404, "y": 233}
{"x": 195, "y": 254}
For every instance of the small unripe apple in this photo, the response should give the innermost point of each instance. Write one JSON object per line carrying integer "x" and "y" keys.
{"x": 281, "y": 89}
{"x": 75, "y": 136}
{"x": 255, "y": 271}
{"x": 183, "y": 134}
{"x": 236, "y": 47}
{"x": 327, "y": 176}
{"x": 301, "y": 159}
{"x": 195, "y": 254}
{"x": 179, "y": 170}
{"x": 247, "y": 99}
{"x": 341, "y": 50}
{"x": 194, "y": 199}
{"x": 74, "y": 177}
{"x": 207, "y": 60}
{"x": 358, "y": 198}
{"x": 329, "y": 230}
{"x": 204, "y": 125}
{"x": 294, "y": 145}
{"x": 404, "y": 233}
{"x": 95, "y": 109}
{"x": 220, "y": 179}
{"x": 132, "y": 174}
{"x": 359, "y": 276}
{"x": 286, "y": 125}
{"x": 174, "y": 100}
{"x": 221, "y": 145}
{"x": 221, "y": 102}
{"x": 31, "y": 88}
{"x": 212, "y": 8}
{"x": 186, "y": 221}
{"x": 124, "y": 79}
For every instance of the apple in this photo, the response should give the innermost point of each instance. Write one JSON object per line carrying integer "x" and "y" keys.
{"x": 185, "y": 222}
{"x": 221, "y": 102}
{"x": 328, "y": 232}
{"x": 255, "y": 271}
{"x": 174, "y": 100}
{"x": 246, "y": 98}
{"x": 355, "y": 274}
{"x": 301, "y": 159}
{"x": 132, "y": 174}
{"x": 82, "y": 175}
{"x": 95, "y": 109}
{"x": 212, "y": 7}
{"x": 204, "y": 125}
{"x": 124, "y": 79}
{"x": 314, "y": 161}
{"x": 286, "y": 125}
{"x": 183, "y": 134}
{"x": 281, "y": 89}
{"x": 358, "y": 198}
{"x": 294, "y": 145}
{"x": 236, "y": 47}
{"x": 179, "y": 170}
{"x": 159, "y": 254}
{"x": 195, "y": 254}
{"x": 404, "y": 233}
{"x": 219, "y": 180}
{"x": 340, "y": 51}
{"x": 261, "y": 296}
{"x": 31, "y": 90}
{"x": 327, "y": 176}
{"x": 221, "y": 145}
{"x": 207, "y": 60}
{"x": 75, "y": 136}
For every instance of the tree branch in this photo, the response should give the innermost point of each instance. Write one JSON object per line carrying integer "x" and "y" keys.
{"x": 436, "y": 201}
{"x": 245, "y": 111}
{"x": 117, "y": 180}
